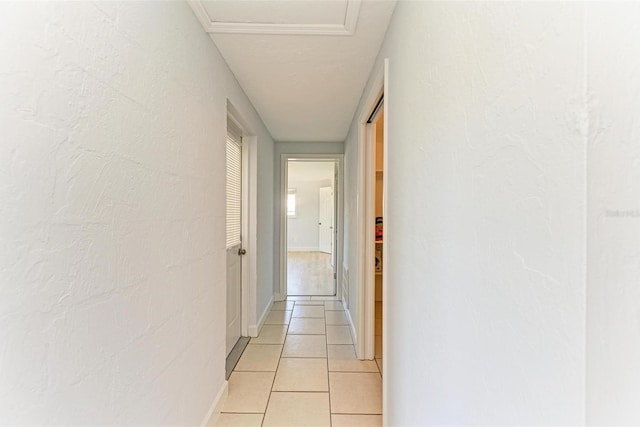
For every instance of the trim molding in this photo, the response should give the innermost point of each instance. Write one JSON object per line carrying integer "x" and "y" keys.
{"x": 348, "y": 28}
{"x": 365, "y": 295}
{"x": 281, "y": 292}
{"x": 249, "y": 218}
{"x": 303, "y": 249}
{"x": 345, "y": 287}
{"x": 354, "y": 333}
{"x": 216, "y": 407}
{"x": 254, "y": 330}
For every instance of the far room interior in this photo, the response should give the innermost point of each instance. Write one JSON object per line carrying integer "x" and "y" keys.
{"x": 310, "y": 227}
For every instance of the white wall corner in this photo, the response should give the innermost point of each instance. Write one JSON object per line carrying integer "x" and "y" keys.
{"x": 254, "y": 330}
{"x": 216, "y": 407}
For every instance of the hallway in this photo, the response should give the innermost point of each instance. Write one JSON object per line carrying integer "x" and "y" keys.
{"x": 511, "y": 213}
{"x": 302, "y": 371}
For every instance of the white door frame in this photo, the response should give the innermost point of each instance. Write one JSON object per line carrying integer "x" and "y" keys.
{"x": 333, "y": 219}
{"x": 249, "y": 223}
{"x": 338, "y": 221}
{"x": 365, "y": 345}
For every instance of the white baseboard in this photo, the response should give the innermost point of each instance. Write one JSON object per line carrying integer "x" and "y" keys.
{"x": 303, "y": 249}
{"x": 354, "y": 335}
{"x": 279, "y": 297}
{"x": 216, "y": 407}
{"x": 254, "y": 330}
{"x": 345, "y": 286}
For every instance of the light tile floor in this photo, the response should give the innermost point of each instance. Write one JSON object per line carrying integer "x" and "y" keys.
{"x": 302, "y": 371}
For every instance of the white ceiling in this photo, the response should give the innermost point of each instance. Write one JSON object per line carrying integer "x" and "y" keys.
{"x": 303, "y": 63}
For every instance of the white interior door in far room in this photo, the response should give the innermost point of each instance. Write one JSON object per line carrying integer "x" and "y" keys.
{"x": 234, "y": 234}
{"x": 325, "y": 224}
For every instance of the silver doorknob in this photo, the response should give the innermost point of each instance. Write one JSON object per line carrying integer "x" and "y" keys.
{"x": 242, "y": 251}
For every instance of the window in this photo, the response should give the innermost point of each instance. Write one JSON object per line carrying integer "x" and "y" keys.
{"x": 291, "y": 203}
{"x": 234, "y": 184}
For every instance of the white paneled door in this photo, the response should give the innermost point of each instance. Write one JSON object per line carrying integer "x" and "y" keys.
{"x": 325, "y": 222}
{"x": 234, "y": 238}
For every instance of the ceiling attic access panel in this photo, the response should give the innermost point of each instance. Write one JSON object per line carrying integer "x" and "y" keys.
{"x": 304, "y": 72}
{"x": 336, "y": 17}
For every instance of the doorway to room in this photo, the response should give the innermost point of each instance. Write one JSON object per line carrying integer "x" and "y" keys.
{"x": 310, "y": 224}
{"x": 235, "y": 251}
{"x": 374, "y": 231}
{"x": 311, "y": 213}
{"x": 375, "y": 130}
{"x": 241, "y": 239}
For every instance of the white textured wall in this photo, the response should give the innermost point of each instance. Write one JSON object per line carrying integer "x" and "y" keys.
{"x": 613, "y": 74}
{"x": 111, "y": 216}
{"x": 485, "y": 226}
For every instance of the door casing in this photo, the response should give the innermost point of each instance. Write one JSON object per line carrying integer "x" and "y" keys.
{"x": 281, "y": 295}
{"x": 365, "y": 333}
{"x": 233, "y": 253}
{"x": 249, "y": 323}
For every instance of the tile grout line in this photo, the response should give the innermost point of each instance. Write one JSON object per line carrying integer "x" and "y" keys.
{"x": 287, "y": 334}
{"x": 301, "y": 392}
{"x": 264, "y": 416}
{"x": 326, "y": 337}
{"x": 328, "y": 372}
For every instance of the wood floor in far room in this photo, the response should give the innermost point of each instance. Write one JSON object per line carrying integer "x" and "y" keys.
{"x": 309, "y": 273}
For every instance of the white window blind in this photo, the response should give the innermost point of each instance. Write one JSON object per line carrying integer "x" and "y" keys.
{"x": 234, "y": 184}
